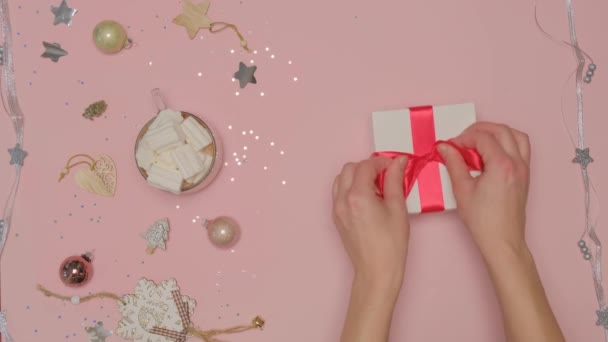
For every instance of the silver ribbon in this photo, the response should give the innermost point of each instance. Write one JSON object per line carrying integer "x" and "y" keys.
{"x": 596, "y": 259}
{"x": 11, "y": 105}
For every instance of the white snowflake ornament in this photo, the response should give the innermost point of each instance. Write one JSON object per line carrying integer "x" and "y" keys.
{"x": 153, "y": 307}
{"x": 157, "y": 235}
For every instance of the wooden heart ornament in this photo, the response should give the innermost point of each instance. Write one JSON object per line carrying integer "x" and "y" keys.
{"x": 98, "y": 178}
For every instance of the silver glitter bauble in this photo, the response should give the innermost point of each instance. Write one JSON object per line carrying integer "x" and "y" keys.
{"x": 223, "y": 231}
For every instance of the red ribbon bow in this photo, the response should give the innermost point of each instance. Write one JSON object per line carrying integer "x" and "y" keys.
{"x": 416, "y": 163}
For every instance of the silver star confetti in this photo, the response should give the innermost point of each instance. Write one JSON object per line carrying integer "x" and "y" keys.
{"x": 63, "y": 14}
{"x": 602, "y": 318}
{"x": 97, "y": 333}
{"x": 582, "y": 157}
{"x": 245, "y": 74}
{"x": 17, "y": 155}
{"x": 53, "y": 51}
{"x": 157, "y": 234}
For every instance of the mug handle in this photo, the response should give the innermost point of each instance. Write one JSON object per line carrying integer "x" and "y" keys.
{"x": 158, "y": 99}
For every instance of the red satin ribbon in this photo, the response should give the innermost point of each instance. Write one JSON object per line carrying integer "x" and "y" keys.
{"x": 416, "y": 163}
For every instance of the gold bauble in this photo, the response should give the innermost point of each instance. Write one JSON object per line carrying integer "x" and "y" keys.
{"x": 110, "y": 37}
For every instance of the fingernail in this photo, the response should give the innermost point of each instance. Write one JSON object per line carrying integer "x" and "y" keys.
{"x": 402, "y": 161}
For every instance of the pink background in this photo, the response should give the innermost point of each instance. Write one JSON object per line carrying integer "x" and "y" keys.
{"x": 350, "y": 58}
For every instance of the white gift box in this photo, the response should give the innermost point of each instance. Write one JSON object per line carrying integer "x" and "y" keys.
{"x": 415, "y": 130}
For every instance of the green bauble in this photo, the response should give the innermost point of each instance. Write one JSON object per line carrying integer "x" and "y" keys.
{"x": 110, "y": 37}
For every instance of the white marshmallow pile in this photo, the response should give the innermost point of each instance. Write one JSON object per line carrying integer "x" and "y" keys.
{"x": 172, "y": 151}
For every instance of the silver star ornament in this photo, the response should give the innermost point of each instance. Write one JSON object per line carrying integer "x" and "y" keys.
{"x": 3, "y": 327}
{"x": 582, "y": 157}
{"x": 602, "y": 318}
{"x": 97, "y": 333}
{"x": 17, "y": 155}
{"x": 63, "y": 13}
{"x": 53, "y": 51}
{"x": 245, "y": 74}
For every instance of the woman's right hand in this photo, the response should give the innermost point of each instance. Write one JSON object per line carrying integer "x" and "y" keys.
{"x": 493, "y": 205}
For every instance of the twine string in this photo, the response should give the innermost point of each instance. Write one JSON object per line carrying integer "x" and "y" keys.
{"x": 219, "y": 26}
{"x": 68, "y": 166}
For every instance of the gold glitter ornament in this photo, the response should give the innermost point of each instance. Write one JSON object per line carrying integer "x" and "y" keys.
{"x": 110, "y": 37}
{"x": 95, "y": 110}
{"x": 259, "y": 322}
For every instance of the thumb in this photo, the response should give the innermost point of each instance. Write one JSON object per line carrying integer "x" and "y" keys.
{"x": 457, "y": 168}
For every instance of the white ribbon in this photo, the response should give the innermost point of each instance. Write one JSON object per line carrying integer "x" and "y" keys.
{"x": 11, "y": 105}
{"x": 596, "y": 259}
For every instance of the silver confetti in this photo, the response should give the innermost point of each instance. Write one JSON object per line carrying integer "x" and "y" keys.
{"x": 53, "y": 51}
{"x": 245, "y": 74}
{"x": 63, "y": 13}
{"x": 97, "y": 333}
{"x": 17, "y": 155}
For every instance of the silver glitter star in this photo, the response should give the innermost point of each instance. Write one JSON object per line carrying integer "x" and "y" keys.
{"x": 53, "y": 51}
{"x": 582, "y": 157}
{"x": 602, "y": 318}
{"x": 17, "y": 155}
{"x": 97, "y": 333}
{"x": 157, "y": 234}
{"x": 3, "y": 321}
{"x": 63, "y": 14}
{"x": 4, "y": 328}
{"x": 245, "y": 74}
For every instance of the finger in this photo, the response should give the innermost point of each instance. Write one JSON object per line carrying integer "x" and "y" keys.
{"x": 345, "y": 180}
{"x": 485, "y": 143}
{"x": 503, "y": 134}
{"x": 457, "y": 168}
{"x": 393, "y": 182}
{"x": 334, "y": 190}
{"x": 523, "y": 142}
{"x": 366, "y": 173}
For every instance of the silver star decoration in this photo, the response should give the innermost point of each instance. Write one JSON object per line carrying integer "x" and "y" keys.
{"x": 245, "y": 74}
{"x": 97, "y": 333}
{"x": 582, "y": 157}
{"x": 17, "y": 155}
{"x": 53, "y": 51}
{"x": 4, "y": 328}
{"x": 3, "y": 320}
{"x": 157, "y": 234}
{"x": 63, "y": 14}
{"x": 602, "y": 318}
